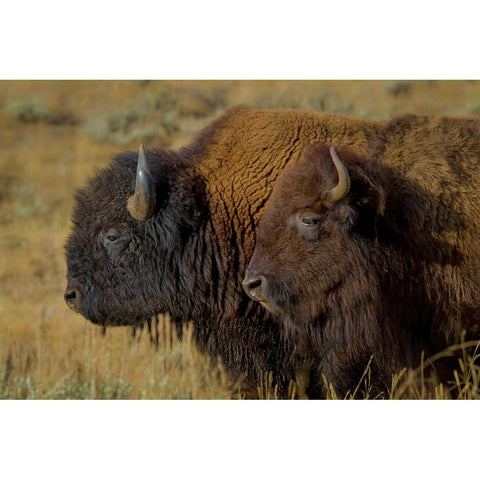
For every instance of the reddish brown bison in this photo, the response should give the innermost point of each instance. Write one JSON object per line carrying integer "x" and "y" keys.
{"x": 375, "y": 257}
{"x": 176, "y": 236}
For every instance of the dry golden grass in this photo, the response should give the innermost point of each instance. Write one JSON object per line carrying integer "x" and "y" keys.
{"x": 422, "y": 382}
{"x": 46, "y": 351}
{"x": 57, "y": 358}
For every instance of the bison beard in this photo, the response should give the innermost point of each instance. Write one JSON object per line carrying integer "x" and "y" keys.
{"x": 389, "y": 271}
{"x": 179, "y": 242}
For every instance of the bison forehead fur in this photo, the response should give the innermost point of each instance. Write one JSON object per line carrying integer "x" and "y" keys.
{"x": 189, "y": 257}
{"x": 388, "y": 271}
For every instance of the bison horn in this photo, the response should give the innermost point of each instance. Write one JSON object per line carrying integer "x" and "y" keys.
{"x": 142, "y": 203}
{"x": 343, "y": 186}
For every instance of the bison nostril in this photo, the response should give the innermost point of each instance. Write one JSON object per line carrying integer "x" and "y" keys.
{"x": 71, "y": 297}
{"x": 254, "y": 285}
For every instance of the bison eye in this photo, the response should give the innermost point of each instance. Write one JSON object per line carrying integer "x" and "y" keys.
{"x": 308, "y": 219}
{"x": 111, "y": 236}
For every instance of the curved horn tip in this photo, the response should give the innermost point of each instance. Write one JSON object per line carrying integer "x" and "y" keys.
{"x": 343, "y": 186}
{"x": 141, "y": 204}
{"x": 142, "y": 159}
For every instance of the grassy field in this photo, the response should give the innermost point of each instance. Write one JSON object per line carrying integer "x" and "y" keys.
{"x": 56, "y": 134}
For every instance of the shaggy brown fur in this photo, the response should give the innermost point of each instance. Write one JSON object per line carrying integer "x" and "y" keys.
{"x": 389, "y": 271}
{"x": 188, "y": 259}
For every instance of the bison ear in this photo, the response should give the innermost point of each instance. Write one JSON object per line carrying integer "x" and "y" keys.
{"x": 367, "y": 197}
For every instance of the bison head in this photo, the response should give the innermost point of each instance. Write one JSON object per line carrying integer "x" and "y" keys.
{"x": 312, "y": 241}
{"x": 131, "y": 223}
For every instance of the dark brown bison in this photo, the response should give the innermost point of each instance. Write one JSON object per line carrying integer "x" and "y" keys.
{"x": 176, "y": 236}
{"x": 375, "y": 257}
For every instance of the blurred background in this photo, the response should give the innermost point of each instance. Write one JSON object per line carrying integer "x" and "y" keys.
{"x": 54, "y": 135}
